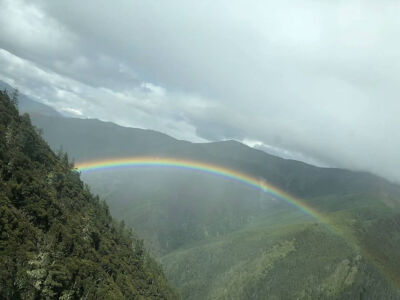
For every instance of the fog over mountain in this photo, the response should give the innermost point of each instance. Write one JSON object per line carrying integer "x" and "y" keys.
{"x": 315, "y": 80}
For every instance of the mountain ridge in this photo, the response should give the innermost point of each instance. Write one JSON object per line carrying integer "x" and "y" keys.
{"x": 34, "y": 108}
{"x": 109, "y": 140}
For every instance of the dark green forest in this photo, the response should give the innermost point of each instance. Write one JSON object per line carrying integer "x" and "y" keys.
{"x": 58, "y": 240}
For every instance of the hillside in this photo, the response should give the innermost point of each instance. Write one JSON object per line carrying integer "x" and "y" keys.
{"x": 57, "y": 240}
{"x": 218, "y": 239}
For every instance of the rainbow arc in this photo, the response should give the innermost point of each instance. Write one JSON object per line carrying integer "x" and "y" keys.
{"x": 235, "y": 175}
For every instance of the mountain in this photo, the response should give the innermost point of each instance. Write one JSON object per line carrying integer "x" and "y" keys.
{"x": 219, "y": 239}
{"x": 58, "y": 240}
{"x": 27, "y": 105}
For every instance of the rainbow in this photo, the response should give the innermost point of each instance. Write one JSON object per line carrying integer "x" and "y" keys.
{"x": 243, "y": 178}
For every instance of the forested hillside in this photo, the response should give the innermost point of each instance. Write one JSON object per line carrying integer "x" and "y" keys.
{"x": 57, "y": 240}
{"x": 218, "y": 239}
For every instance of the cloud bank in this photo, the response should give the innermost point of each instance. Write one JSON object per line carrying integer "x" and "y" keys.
{"x": 316, "y": 80}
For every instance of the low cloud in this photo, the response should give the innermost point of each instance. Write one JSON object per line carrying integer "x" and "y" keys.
{"x": 315, "y": 80}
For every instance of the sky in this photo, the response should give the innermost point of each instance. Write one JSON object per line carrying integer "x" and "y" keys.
{"x": 312, "y": 80}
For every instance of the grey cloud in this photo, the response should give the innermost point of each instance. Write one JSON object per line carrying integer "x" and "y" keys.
{"x": 318, "y": 79}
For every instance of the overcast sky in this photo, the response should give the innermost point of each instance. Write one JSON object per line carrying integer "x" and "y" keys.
{"x": 314, "y": 80}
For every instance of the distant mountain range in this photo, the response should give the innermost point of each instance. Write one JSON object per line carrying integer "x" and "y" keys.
{"x": 219, "y": 239}
{"x": 89, "y": 139}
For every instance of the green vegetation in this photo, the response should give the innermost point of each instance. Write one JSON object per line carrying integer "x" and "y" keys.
{"x": 300, "y": 261}
{"x": 57, "y": 240}
{"x": 217, "y": 239}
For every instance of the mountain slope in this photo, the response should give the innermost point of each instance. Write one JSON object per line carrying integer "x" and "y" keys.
{"x": 58, "y": 240}
{"x": 88, "y": 139}
{"x": 218, "y": 239}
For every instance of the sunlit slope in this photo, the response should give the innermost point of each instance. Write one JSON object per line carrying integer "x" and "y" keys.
{"x": 280, "y": 262}
{"x": 287, "y": 257}
{"x": 220, "y": 240}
